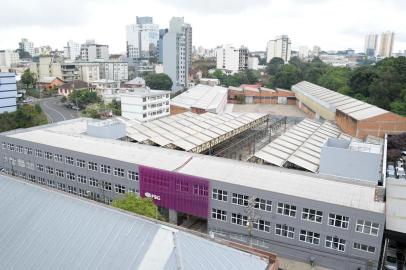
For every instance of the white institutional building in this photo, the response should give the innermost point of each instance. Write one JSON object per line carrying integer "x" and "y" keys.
{"x": 232, "y": 59}
{"x": 177, "y": 52}
{"x": 145, "y": 105}
{"x": 142, "y": 38}
{"x": 279, "y": 47}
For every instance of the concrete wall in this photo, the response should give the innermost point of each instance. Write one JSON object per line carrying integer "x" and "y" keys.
{"x": 293, "y": 248}
{"x": 316, "y": 107}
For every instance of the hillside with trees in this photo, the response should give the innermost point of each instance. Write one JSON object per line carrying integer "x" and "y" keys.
{"x": 26, "y": 116}
{"x": 382, "y": 84}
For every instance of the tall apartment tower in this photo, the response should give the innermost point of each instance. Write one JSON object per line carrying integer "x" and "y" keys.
{"x": 91, "y": 51}
{"x": 160, "y": 47}
{"x": 371, "y": 44}
{"x": 232, "y": 59}
{"x": 386, "y": 44}
{"x": 72, "y": 50}
{"x": 279, "y": 47}
{"x": 142, "y": 38}
{"x": 8, "y": 92}
{"x": 177, "y": 52}
{"x": 26, "y": 46}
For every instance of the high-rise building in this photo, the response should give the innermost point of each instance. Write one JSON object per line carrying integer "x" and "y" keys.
{"x": 371, "y": 44}
{"x": 9, "y": 58}
{"x": 142, "y": 39}
{"x": 316, "y": 50}
{"x": 303, "y": 52}
{"x": 72, "y": 50}
{"x": 8, "y": 92}
{"x": 91, "y": 51}
{"x": 279, "y": 47}
{"x": 26, "y": 46}
{"x": 386, "y": 44}
{"x": 160, "y": 47}
{"x": 177, "y": 52}
{"x": 232, "y": 59}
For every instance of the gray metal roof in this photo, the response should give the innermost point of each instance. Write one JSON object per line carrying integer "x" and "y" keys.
{"x": 44, "y": 229}
{"x": 300, "y": 145}
{"x": 356, "y": 109}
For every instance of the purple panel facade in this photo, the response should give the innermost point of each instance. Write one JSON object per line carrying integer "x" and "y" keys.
{"x": 183, "y": 193}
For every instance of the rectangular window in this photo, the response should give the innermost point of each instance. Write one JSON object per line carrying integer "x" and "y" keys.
{"x": 40, "y": 167}
{"x": 240, "y": 199}
{"x": 309, "y": 237}
{"x": 72, "y": 190}
{"x": 182, "y": 186}
{"x": 367, "y": 227}
{"x": 28, "y": 150}
{"x": 262, "y": 204}
{"x": 82, "y": 179}
{"x": 70, "y": 176}
{"x": 312, "y": 215}
{"x": 119, "y": 189}
{"x": 3, "y": 145}
{"x": 42, "y": 181}
{"x": 93, "y": 182}
{"x": 219, "y": 214}
{"x": 363, "y": 247}
{"x": 220, "y": 195}
{"x": 48, "y": 155}
{"x": 49, "y": 170}
{"x": 80, "y": 163}
{"x": 69, "y": 160}
{"x": 200, "y": 190}
{"x": 51, "y": 183}
{"x": 58, "y": 158}
{"x": 59, "y": 173}
{"x": 338, "y": 221}
{"x": 19, "y": 149}
{"x": 62, "y": 186}
{"x": 92, "y": 166}
{"x": 333, "y": 242}
{"x": 38, "y": 153}
{"x": 82, "y": 192}
{"x": 239, "y": 219}
{"x": 285, "y": 231}
{"x": 262, "y": 225}
{"x": 106, "y": 185}
{"x": 119, "y": 172}
{"x": 105, "y": 169}
{"x": 133, "y": 175}
{"x": 286, "y": 209}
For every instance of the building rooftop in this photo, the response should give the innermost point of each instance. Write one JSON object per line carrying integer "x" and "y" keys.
{"x": 396, "y": 205}
{"x": 136, "y": 81}
{"x": 332, "y": 100}
{"x": 47, "y": 79}
{"x": 279, "y": 180}
{"x": 47, "y": 229}
{"x": 202, "y": 97}
{"x": 143, "y": 92}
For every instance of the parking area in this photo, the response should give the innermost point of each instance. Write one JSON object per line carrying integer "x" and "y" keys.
{"x": 273, "y": 109}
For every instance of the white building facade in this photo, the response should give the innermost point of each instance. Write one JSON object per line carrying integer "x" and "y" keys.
{"x": 142, "y": 38}
{"x": 386, "y": 44}
{"x": 90, "y": 51}
{"x": 232, "y": 59}
{"x": 8, "y": 92}
{"x": 145, "y": 105}
{"x": 371, "y": 44}
{"x": 279, "y": 47}
{"x": 177, "y": 53}
{"x": 72, "y": 50}
{"x": 26, "y": 46}
{"x": 9, "y": 58}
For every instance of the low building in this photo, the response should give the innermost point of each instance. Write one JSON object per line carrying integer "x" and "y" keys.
{"x": 49, "y": 82}
{"x": 67, "y": 88}
{"x": 353, "y": 116}
{"x": 209, "y": 81}
{"x": 255, "y": 94}
{"x": 199, "y": 99}
{"x": 8, "y": 92}
{"x": 145, "y": 105}
{"x": 137, "y": 82}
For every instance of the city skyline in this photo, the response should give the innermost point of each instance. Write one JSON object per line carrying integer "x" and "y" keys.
{"x": 213, "y": 25}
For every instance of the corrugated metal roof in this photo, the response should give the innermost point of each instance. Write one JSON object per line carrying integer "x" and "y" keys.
{"x": 356, "y": 109}
{"x": 300, "y": 145}
{"x": 44, "y": 229}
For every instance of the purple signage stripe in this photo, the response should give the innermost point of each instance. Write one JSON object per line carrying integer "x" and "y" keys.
{"x": 183, "y": 193}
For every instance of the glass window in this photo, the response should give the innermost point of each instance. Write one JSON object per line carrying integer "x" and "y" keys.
{"x": 339, "y": 221}
{"x": 262, "y": 225}
{"x": 309, "y": 237}
{"x": 240, "y": 199}
{"x": 367, "y": 227}
{"x": 363, "y": 247}
{"x": 333, "y": 242}
{"x": 263, "y": 204}
{"x": 69, "y": 160}
{"x": 285, "y": 231}
{"x": 312, "y": 215}
{"x": 80, "y": 163}
{"x": 92, "y": 166}
{"x": 118, "y": 172}
{"x": 286, "y": 209}
{"x": 133, "y": 175}
{"x": 219, "y": 214}
{"x": 220, "y": 195}
{"x": 119, "y": 189}
{"x": 105, "y": 169}
{"x": 239, "y": 219}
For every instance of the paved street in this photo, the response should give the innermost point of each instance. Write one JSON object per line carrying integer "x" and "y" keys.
{"x": 55, "y": 111}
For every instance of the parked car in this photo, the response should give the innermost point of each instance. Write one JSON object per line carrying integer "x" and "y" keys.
{"x": 390, "y": 171}
{"x": 401, "y": 173}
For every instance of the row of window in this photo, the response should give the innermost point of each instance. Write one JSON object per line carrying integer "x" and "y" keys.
{"x": 283, "y": 230}
{"x": 312, "y": 215}
{"x": 93, "y": 166}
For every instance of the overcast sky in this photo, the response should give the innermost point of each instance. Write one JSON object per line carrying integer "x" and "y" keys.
{"x": 331, "y": 24}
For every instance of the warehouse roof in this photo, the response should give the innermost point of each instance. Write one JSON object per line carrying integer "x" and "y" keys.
{"x": 355, "y": 108}
{"x": 301, "y": 145}
{"x": 202, "y": 97}
{"x": 279, "y": 180}
{"x": 193, "y": 132}
{"x": 45, "y": 229}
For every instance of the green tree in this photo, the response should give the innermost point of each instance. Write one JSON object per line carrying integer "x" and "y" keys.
{"x": 275, "y": 65}
{"x": 335, "y": 78}
{"x": 92, "y": 111}
{"x": 141, "y": 206}
{"x": 218, "y": 74}
{"x": 287, "y": 76}
{"x": 24, "y": 117}
{"x": 115, "y": 107}
{"x": 28, "y": 78}
{"x": 83, "y": 97}
{"x": 159, "y": 81}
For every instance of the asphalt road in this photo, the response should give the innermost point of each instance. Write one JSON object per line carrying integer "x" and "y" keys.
{"x": 55, "y": 110}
